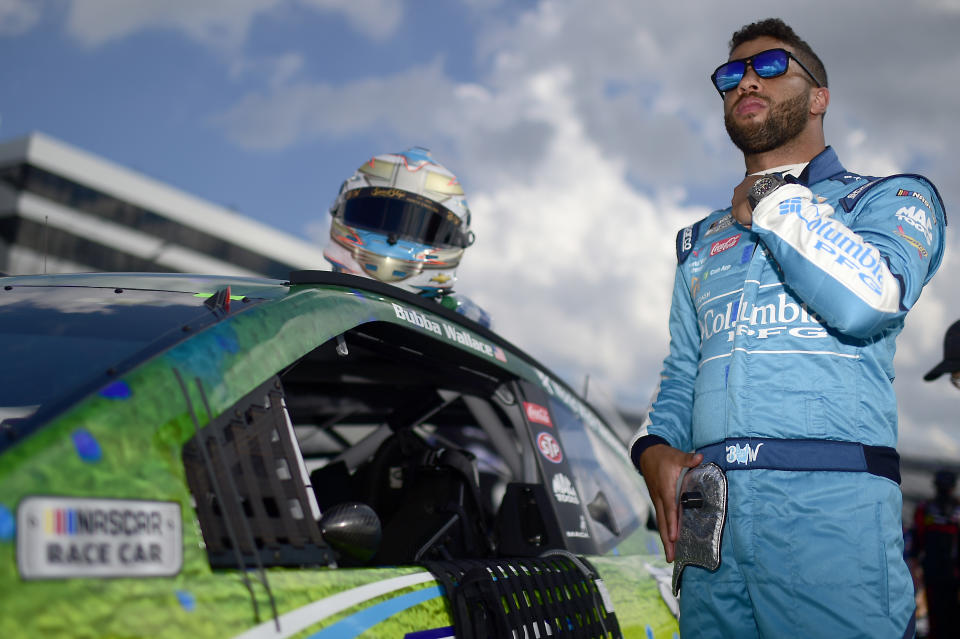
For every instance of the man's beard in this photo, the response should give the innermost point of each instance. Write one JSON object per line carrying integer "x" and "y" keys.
{"x": 784, "y": 122}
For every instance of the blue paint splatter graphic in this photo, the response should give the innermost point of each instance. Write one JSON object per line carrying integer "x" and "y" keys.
{"x": 8, "y": 525}
{"x": 187, "y": 601}
{"x": 228, "y": 344}
{"x": 88, "y": 448}
{"x": 117, "y": 390}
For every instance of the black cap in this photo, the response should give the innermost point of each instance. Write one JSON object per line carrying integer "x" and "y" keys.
{"x": 951, "y": 354}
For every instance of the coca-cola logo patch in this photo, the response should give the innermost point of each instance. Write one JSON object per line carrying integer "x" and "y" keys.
{"x": 549, "y": 447}
{"x": 722, "y": 245}
{"x": 537, "y": 414}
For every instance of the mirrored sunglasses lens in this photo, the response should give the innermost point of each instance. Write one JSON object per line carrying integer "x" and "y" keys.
{"x": 729, "y": 75}
{"x": 770, "y": 64}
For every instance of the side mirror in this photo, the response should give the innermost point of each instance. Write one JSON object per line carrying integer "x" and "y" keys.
{"x": 601, "y": 513}
{"x": 352, "y": 529}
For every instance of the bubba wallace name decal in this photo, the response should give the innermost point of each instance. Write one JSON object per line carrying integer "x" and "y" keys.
{"x": 450, "y": 332}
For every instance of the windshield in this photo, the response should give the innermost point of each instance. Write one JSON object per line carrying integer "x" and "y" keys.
{"x": 57, "y": 340}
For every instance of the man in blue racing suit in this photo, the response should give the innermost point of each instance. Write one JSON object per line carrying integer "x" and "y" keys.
{"x": 785, "y": 310}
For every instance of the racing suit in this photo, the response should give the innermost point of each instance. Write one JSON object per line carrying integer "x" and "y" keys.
{"x": 781, "y": 358}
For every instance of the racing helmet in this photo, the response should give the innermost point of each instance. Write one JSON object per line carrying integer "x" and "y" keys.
{"x": 401, "y": 218}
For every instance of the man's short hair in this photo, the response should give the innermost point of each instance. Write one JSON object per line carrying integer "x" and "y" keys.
{"x": 778, "y": 29}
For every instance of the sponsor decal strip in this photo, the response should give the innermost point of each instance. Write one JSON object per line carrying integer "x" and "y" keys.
{"x": 295, "y": 621}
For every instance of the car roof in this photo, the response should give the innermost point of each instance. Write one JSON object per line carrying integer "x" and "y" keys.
{"x": 204, "y": 293}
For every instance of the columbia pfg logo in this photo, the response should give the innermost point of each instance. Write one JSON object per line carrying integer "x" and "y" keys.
{"x": 745, "y": 454}
{"x": 793, "y": 205}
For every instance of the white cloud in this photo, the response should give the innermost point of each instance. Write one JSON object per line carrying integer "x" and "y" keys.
{"x": 303, "y": 112}
{"x": 278, "y": 70}
{"x": 219, "y": 24}
{"x": 18, "y": 16}
{"x": 377, "y": 19}
{"x": 222, "y": 25}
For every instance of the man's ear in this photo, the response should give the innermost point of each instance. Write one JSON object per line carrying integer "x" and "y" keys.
{"x": 819, "y": 101}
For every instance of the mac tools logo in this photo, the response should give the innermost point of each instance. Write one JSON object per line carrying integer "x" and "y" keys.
{"x": 722, "y": 245}
{"x": 737, "y": 454}
{"x": 918, "y": 219}
{"x": 564, "y": 490}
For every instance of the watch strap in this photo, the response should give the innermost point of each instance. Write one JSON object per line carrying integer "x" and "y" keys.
{"x": 763, "y": 187}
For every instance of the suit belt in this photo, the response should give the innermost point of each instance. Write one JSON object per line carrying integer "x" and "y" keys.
{"x": 746, "y": 453}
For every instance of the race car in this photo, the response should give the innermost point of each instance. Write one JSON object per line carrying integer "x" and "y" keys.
{"x": 327, "y": 456}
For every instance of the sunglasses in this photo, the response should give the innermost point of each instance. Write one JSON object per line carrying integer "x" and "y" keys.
{"x": 766, "y": 64}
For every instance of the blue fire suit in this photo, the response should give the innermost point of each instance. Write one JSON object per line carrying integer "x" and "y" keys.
{"x": 781, "y": 358}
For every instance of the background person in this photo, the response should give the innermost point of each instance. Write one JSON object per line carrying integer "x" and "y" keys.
{"x": 951, "y": 357}
{"x": 936, "y": 545}
{"x": 780, "y": 366}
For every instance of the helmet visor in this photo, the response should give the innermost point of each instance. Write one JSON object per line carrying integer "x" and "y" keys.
{"x": 405, "y": 215}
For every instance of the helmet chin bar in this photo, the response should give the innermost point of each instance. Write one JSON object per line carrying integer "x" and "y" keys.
{"x": 392, "y": 270}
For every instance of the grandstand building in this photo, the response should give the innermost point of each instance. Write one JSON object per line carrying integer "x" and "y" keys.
{"x": 65, "y": 210}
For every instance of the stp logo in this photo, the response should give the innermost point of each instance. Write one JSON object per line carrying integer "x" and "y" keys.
{"x": 537, "y": 414}
{"x": 722, "y": 245}
{"x": 549, "y": 447}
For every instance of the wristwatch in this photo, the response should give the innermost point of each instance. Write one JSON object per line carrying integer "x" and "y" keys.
{"x": 763, "y": 187}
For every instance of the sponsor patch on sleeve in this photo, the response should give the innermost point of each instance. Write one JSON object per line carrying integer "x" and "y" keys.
{"x": 919, "y": 196}
{"x": 722, "y": 245}
{"x": 686, "y": 238}
{"x": 720, "y": 225}
{"x": 918, "y": 220}
{"x": 66, "y": 537}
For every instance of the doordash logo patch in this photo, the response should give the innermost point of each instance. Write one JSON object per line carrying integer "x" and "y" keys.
{"x": 722, "y": 245}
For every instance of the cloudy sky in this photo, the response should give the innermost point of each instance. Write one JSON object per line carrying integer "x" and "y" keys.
{"x": 585, "y": 133}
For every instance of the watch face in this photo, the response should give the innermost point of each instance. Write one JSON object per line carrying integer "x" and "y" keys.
{"x": 763, "y": 185}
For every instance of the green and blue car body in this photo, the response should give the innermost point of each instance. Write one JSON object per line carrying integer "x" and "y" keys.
{"x": 172, "y": 448}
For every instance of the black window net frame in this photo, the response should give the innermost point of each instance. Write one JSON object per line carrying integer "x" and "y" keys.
{"x": 252, "y": 479}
